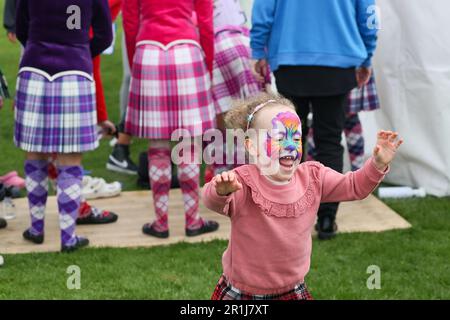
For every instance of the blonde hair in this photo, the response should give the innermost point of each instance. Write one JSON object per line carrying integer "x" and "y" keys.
{"x": 237, "y": 117}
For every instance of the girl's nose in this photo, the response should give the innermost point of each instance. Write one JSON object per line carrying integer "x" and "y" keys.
{"x": 291, "y": 148}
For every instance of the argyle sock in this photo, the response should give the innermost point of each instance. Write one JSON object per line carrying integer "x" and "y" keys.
{"x": 188, "y": 176}
{"x": 160, "y": 174}
{"x": 355, "y": 140}
{"x": 69, "y": 197}
{"x": 36, "y": 172}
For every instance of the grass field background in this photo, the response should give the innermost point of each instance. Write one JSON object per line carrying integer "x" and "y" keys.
{"x": 414, "y": 263}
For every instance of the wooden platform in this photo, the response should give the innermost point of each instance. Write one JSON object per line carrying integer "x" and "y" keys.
{"x": 135, "y": 209}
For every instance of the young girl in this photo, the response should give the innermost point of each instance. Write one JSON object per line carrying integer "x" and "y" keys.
{"x": 170, "y": 90}
{"x": 232, "y": 74}
{"x": 55, "y": 110}
{"x": 272, "y": 213}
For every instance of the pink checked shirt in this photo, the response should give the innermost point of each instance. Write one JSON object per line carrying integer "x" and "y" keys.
{"x": 269, "y": 250}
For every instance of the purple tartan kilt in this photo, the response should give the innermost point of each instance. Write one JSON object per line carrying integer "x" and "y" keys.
{"x": 232, "y": 75}
{"x": 364, "y": 99}
{"x": 56, "y": 116}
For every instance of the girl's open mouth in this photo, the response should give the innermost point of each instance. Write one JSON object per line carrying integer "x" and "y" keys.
{"x": 287, "y": 162}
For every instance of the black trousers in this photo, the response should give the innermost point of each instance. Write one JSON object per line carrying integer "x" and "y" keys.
{"x": 328, "y": 124}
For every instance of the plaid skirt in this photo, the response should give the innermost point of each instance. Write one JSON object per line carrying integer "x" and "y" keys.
{"x": 56, "y": 116}
{"x": 225, "y": 291}
{"x": 364, "y": 99}
{"x": 232, "y": 75}
{"x": 170, "y": 89}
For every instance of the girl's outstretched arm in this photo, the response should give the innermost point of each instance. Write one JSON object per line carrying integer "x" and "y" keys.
{"x": 223, "y": 193}
{"x": 358, "y": 185}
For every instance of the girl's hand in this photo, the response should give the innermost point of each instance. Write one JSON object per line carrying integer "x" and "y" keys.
{"x": 108, "y": 128}
{"x": 387, "y": 145}
{"x": 226, "y": 183}
{"x": 363, "y": 75}
{"x": 12, "y": 37}
{"x": 259, "y": 69}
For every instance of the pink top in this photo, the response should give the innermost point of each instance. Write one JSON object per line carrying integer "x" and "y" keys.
{"x": 168, "y": 21}
{"x": 269, "y": 250}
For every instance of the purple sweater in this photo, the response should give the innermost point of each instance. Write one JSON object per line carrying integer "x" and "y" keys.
{"x": 57, "y": 39}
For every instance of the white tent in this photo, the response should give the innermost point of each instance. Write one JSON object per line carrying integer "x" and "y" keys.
{"x": 412, "y": 65}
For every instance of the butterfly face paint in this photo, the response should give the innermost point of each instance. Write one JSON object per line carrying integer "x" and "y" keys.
{"x": 286, "y": 137}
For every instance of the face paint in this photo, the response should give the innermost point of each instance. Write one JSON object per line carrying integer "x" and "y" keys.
{"x": 286, "y": 138}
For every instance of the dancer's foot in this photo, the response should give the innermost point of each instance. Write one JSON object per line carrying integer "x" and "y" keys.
{"x": 92, "y": 215}
{"x": 120, "y": 161}
{"x": 208, "y": 226}
{"x": 37, "y": 239}
{"x": 148, "y": 229}
{"x": 80, "y": 243}
{"x": 12, "y": 179}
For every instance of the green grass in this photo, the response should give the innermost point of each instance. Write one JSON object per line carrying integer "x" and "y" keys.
{"x": 414, "y": 263}
{"x": 175, "y": 272}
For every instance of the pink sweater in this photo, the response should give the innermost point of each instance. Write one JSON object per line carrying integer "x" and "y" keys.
{"x": 269, "y": 250}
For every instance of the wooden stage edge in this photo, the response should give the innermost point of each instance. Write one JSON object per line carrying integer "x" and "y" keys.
{"x": 136, "y": 208}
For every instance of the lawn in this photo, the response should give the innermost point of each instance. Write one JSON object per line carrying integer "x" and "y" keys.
{"x": 414, "y": 263}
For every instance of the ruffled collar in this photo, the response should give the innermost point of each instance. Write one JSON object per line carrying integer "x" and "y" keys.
{"x": 289, "y": 200}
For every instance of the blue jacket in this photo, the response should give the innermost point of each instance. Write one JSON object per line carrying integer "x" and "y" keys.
{"x": 331, "y": 33}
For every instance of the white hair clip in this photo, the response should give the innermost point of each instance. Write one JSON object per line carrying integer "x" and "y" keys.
{"x": 252, "y": 115}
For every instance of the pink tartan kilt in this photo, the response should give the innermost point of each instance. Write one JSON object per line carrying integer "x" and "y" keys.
{"x": 232, "y": 74}
{"x": 170, "y": 89}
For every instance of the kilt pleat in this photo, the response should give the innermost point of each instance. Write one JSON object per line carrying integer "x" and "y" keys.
{"x": 56, "y": 116}
{"x": 170, "y": 89}
{"x": 232, "y": 75}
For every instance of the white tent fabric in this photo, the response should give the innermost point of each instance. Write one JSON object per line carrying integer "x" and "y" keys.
{"x": 412, "y": 65}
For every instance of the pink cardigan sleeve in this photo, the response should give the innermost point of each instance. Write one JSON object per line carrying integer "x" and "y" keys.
{"x": 225, "y": 205}
{"x": 355, "y": 185}
{"x": 130, "y": 16}
{"x": 204, "y": 11}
